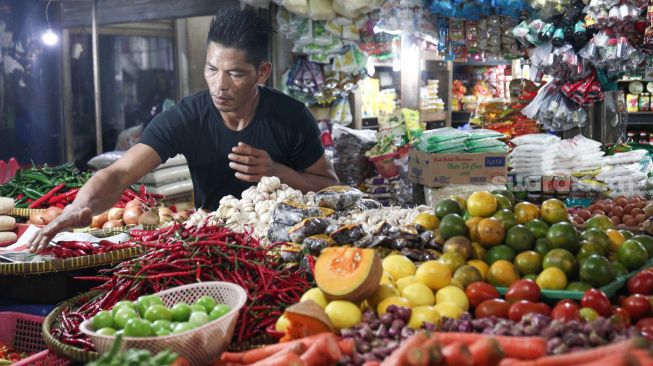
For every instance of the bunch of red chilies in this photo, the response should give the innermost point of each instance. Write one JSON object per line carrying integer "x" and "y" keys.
{"x": 177, "y": 256}
{"x": 71, "y": 249}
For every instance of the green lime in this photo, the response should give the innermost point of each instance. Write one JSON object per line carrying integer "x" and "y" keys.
{"x": 538, "y": 227}
{"x": 520, "y": 238}
{"x": 597, "y": 271}
{"x": 500, "y": 252}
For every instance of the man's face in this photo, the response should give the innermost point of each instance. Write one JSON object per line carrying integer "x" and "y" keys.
{"x": 232, "y": 81}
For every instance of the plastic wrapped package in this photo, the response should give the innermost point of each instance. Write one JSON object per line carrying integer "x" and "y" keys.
{"x": 104, "y": 160}
{"x": 321, "y": 9}
{"x": 630, "y": 157}
{"x": 290, "y": 213}
{"x": 163, "y": 176}
{"x": 350, "y": 163}
{"x": 299, "y": 7}
{"x": 278, "y": 232}
{"x": 306, "y": 228}
{"x": 347, "y": 234}
{"x": 338, "y": 197}
{"x": 315, "y": 243}
{"x": 173, "y": 189}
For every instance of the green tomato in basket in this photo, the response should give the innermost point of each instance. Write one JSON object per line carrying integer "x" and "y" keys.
{"x": 158, "y": 312}
{"x": 181, "y": 312}
{"x": 163, "y": 333}
{"x": 121, "y": 304}
{"x": 122, "y": 316}
{"x": 218, "y": 311}
{"x": 106, "y": 331}
{"x": 197, "y": 307}
{"x": 207, "y": 301}
{"x": 137, "y": 327}
{"x": 102, "y": 319}
{"x": 162, "y": 325}
{"x": 198, "y": 318}
{"x": 183, "y": 327}
{"x": 144, "y": 302}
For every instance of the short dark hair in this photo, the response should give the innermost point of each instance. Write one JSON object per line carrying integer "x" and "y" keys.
{"x": 244, "y": 30}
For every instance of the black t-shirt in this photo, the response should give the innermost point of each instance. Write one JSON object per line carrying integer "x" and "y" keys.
{"x": 282, "y": 126}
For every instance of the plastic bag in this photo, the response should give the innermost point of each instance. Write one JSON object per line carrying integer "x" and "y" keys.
{"x": 347, "y": 234}
{"x": 536, "y": 139}
{"x": 163, "y": 176}
{"x": 307, "y": 227}
{"x": 350, "y": 146}
{"x": 104, "y": 160}
{"x": 290, "y": 213}
{"x": 173, "y": 189}
{"x": 278, "y": 232}
{"x": 314, "y": 244}
{"x": 321, "y": 9}
{"x": 483, "y": 133}
{"x": 299, "y": 7}
{"x": 338, "y": 197}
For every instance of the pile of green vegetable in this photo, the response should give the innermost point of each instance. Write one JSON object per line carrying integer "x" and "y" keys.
{"x": 43, "y": 187}
{"x": 135, "y": 357}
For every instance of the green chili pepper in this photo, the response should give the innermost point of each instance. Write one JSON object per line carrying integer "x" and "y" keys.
{"x": 32, "y": 193}
{"x": 38, "y": 177}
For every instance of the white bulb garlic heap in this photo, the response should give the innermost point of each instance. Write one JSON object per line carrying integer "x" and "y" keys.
{"x": 255, "y": 207}
{"x": 395, "y": 216}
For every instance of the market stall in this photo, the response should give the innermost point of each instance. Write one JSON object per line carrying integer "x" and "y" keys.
{"x": 482, "y": 216}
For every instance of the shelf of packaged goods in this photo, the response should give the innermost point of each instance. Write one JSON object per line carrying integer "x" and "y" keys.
{"x": 432, "y": 116}
{"x": 487, "y": 63}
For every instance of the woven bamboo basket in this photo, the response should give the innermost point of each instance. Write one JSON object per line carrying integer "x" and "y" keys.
{"x": 24, "y": 212}
{"x": 68, "y": 264}
{"x": 56, "y": 345}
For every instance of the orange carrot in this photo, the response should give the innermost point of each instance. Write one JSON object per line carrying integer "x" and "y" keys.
{"x": 372, "y": 363}
{"x": 347, "y": 346}
{"x": 527, "y": 348}
{"x": 516, "y": 362}
{"x": 457, "y": 354}
{"x": 398, "y": 357}
{"x": 282, "y": 358}
{"x": 638, "y": 357}
{"x": 486, "y": 352}
{"x": 427, "y": 353}
{"x": 614, "y": 359}
{"x": 589, "y": 355}
{"x": 267, "y": 351}
{"x": 323, "y": 352}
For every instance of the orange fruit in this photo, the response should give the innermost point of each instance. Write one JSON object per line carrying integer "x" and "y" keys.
{"x": 472, "y": 226}
{"x": 502, "y": 273}
{"x": 525, "y": 212}
{"x": 482, "y": 203}
{"x": 490, "y": 232}
{"x": 616, "y": 239}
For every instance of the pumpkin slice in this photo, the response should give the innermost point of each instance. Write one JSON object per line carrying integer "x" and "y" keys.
{"x": 305, "y": 319}
{"x": 351, "y": 274}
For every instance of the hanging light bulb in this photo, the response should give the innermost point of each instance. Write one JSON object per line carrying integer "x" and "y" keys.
{"x": 49, "y": 37}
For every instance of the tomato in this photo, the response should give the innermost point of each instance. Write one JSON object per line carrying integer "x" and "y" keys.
{"x": 645, "y": 326}
{"x": 522, "y": 307}
{"x": 218, "y": 311}
{"x": 638, "y": 306}
{"x": 477, "y": 292}
{"x": 566, "y": 310}
{"x": 492, "y": 307}
{"x": 597, "y": 300}
{"x": 620, "y": 317}
{"x": 641, "y": 283}
{"x": 208, "y": 302}
{"x": 523, "y": 290}
{"x": 137, "y": 327}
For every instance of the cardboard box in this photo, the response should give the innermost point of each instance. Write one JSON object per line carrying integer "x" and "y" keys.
{"x": 440, "y": 170}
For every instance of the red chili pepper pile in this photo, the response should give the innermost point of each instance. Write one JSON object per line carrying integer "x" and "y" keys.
{"x": 179, "y": 256}
{"x": 70, "y": 249}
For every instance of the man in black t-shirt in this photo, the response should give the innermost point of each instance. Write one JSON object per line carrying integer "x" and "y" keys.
{"x": 232, "y": 134}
